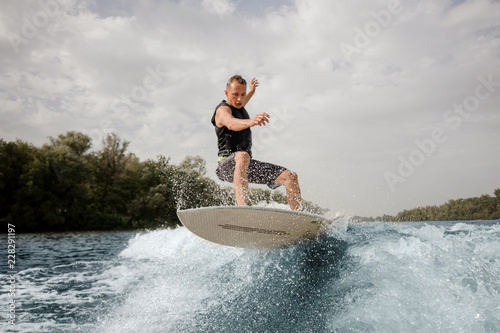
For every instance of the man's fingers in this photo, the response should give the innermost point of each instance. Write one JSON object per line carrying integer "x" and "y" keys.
{"x": 261, "y": 119}
{"x": 254, "y": 83}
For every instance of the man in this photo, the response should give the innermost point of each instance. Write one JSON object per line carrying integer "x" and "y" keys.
{"x": 235, "y": 164}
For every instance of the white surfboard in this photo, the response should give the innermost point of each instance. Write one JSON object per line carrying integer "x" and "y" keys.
{"x": 253, "y": 227}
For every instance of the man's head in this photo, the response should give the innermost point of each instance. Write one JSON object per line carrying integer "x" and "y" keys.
{"x": 235, "y": 78}
{"x": 236, "y": 90}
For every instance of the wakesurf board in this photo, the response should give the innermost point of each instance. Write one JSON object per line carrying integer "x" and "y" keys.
{"x": 252, "y": 227}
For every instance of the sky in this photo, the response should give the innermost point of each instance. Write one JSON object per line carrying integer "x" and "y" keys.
{"x": 379, "y": 106}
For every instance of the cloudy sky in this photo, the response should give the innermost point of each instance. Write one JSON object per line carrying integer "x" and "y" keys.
{"x": 379, "y": 106}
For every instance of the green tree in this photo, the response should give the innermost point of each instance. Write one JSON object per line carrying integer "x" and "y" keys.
{"x": 108, "y": 166}
{"x": 73, "y": 144}
{"x": 191, "y": 188}
{"x": 479, "y": 208}
{"x": 53, "y": 192}
{"x": 495, "y": 214}
{"x": 194, "y": 164}
{"x": 62, "y": 186}
{"x": 154, "y": 204}
{"x": 14, "y": 159}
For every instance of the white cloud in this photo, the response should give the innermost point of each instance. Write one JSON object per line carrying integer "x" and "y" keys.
{"x": 86, "y": 68}
{"x": 220, "y": 7}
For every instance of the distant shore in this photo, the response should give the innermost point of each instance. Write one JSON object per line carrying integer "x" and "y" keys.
{"x": 484, "y": 207}
{"x": 62, "y": 186}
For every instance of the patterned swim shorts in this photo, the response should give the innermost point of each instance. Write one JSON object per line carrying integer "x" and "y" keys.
{"x": 258, "y": 172}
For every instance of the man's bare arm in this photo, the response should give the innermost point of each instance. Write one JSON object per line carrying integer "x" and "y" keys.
{"x": 224, "y": 117}
{"x": 254, "y": 84}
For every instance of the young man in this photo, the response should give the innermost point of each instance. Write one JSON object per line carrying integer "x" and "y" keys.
{"x": 235, "y": 164}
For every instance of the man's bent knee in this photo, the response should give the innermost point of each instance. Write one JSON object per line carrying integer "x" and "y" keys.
{"x": 287, "y": 177}
{"x": 293, "y": 177}
{"x": 242, "y": 158}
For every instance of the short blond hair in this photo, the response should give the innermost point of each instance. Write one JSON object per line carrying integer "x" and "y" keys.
{"x": 238, "y": 78}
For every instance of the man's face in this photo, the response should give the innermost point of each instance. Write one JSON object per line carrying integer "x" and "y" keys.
{"x": 236, "y": 94}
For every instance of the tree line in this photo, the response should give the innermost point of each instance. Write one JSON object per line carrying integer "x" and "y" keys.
{"x": 484, "y": 207}
{"x": 63, "y": 186}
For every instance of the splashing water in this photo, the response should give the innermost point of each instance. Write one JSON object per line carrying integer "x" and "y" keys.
{"x": 366, "y": 277}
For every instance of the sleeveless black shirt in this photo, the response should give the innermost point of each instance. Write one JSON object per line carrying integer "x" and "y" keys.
{"x": 229, "y": 141}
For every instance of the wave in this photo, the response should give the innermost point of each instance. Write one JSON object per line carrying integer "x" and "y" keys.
{"x": 374, "y": 277}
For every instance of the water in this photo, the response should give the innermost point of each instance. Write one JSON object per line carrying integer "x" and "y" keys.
{"x": 366, "y": 277}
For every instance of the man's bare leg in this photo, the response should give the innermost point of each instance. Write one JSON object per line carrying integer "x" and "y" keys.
{"x": 240, "y": 179}
{"x": 291, "y": 182}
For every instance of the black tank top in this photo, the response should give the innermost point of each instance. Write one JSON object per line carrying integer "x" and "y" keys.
{"x": 229, "y": 141}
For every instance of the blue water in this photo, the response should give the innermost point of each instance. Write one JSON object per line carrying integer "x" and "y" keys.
{"x": 363, "y": 277}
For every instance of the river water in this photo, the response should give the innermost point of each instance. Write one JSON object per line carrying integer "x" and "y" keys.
{"x": 360, "y": 277}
